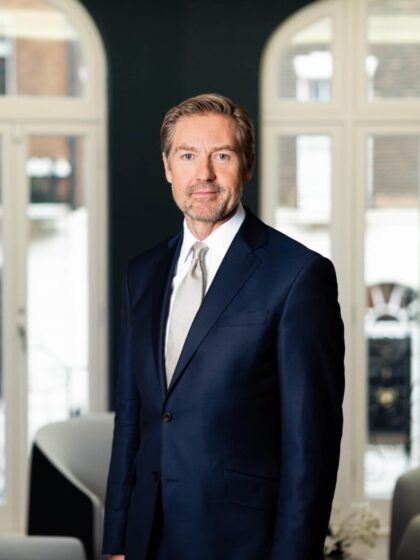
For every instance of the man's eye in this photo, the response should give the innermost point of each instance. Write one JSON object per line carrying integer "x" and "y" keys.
{"x": 222, "y": 156}
{"x": 187, "y": 157}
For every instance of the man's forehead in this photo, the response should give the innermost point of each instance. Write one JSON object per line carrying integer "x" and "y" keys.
{"x": 214, "y": 128}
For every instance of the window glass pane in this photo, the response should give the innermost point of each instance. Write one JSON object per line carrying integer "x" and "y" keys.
{"x": 304, "y": 189}
{"x": 392, "y": 65}
{"x": 2, "y": 399}
{"x": 392, "y": 311}
{"x": 40, "y": 51}
{"x": 306, "y": 64}
{"x": 57, "y": 280}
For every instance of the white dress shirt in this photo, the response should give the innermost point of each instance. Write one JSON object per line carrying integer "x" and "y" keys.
{"x": 218, "y": 243}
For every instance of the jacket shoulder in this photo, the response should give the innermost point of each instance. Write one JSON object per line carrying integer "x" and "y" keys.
{"x": 290, "y": 258}
{"x": 266, "y": 239}
{"x": 287, "y": 246}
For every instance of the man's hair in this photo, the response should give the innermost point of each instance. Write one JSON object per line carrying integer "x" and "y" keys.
{"x": 212, "y": 103}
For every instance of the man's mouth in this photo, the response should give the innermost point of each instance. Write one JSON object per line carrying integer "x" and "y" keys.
{"x": 204, "y": 189}
{"x": 204, "y": 193}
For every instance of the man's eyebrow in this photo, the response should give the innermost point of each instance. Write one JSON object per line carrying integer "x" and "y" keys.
{"x": 224, "y": 147}
{"x": 184, "y": 147}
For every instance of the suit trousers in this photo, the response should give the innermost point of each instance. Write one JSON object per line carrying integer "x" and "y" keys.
{"x": 158, "y": 545}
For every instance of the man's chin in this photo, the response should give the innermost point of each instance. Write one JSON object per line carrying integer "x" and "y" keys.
{"x": 209, "y": 217}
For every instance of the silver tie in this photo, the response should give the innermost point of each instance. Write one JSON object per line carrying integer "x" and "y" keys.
{"x": 187, "y": 300}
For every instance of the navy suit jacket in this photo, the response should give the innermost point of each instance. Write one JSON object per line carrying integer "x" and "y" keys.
{"x": 245, "y": 441}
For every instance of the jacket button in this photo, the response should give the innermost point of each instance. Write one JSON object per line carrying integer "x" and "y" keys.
{"x": 167, "y": 417}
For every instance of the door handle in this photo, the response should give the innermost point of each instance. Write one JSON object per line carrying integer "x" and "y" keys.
{"x": 23, "y": 338}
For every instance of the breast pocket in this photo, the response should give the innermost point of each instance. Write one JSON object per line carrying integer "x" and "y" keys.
{"x": 243, "y": 318}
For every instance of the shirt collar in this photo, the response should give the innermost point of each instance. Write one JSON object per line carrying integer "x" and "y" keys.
{"x": 219, "y": 240}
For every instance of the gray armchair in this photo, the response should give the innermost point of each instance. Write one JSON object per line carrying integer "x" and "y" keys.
{"x": 68, "y": 473}
{"x": 405, "y": 506}
{"x": 41, "y": 548}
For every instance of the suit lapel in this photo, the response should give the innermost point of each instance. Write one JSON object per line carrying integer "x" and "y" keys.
{"x": 161, "y": 299}
{"x": 239, "y": 263}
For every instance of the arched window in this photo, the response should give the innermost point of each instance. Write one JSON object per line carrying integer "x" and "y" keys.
{"x": 340, "y": 172}
{"x": 53, "y": 230}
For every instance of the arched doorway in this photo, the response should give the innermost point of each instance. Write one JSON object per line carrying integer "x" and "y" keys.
{"x": 53, "y": 228}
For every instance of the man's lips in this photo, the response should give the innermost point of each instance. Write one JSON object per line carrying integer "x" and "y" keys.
{"x": 204, "y": 193}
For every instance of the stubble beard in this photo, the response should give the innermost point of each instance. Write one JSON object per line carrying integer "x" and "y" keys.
{"x": 226, "y": 207}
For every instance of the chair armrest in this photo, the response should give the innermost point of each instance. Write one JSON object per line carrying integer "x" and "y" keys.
{"x": 40, "y": 548}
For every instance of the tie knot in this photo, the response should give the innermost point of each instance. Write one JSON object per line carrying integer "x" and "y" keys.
{"x": 199, "y": 249}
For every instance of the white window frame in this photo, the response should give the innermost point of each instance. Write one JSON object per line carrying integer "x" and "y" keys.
{"x": 349, "y": 118}
{"x": 21, "y": 117}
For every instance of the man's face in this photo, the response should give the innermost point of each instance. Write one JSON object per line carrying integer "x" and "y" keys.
{"x": 205, "y": 168}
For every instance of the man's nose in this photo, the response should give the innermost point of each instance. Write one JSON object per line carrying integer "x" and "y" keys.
{"x": 205, "y": 170}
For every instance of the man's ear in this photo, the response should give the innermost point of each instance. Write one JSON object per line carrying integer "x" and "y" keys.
{"x": 168, "y": 172}
{"x": 248, "y": 171}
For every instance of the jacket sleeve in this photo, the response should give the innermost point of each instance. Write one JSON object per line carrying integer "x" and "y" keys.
{"x": 126, "y": 438}
{"x": 310, "y": 347}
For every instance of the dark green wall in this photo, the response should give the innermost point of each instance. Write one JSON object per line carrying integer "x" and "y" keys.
{"x": 160, "y": 52}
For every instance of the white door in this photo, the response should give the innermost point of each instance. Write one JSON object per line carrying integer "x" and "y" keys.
{"x": 47, "y": 268}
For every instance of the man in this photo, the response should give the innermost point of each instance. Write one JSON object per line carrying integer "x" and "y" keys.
{"x": 228, "y": 411}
